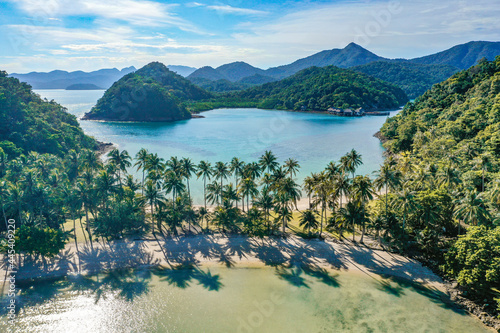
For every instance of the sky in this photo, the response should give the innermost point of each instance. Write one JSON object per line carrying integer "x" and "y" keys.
{"x": 43, "y": 35}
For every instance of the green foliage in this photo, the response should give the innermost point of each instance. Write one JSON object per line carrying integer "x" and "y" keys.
{"x": 413, "y": 78}
{"x": 28, "y": 123}
{"x": 153, "y": 93}
{"x": 474, "y": 260}
{"x": 321, "y": 88}
{"x": 46, "y": 242}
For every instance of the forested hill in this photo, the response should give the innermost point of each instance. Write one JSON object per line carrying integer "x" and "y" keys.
{"x": 413, "y": 78}
{"x": 153, "y": 93}
{"x": 459, "y": 116}
{"x": 321, "y": 88}
{"x": 28, "y": 123}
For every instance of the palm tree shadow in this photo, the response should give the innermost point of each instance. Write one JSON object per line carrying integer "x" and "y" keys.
{"x": 179, "y": 276}
{"x": 207, "y": 280}
{"x": 387, "y": 287}
{"x": 292, "y": 275}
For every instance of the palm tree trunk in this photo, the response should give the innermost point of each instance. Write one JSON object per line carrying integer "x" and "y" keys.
{"x": 205, "y": 191}
{"x": 83, "y": 230}
{"x": 76, "y": 241}
{"x": 322, "y": 213}
{"x": 142, "y": 187}
{"x": 189, "y": 191}
{"x": 88, "y": 227}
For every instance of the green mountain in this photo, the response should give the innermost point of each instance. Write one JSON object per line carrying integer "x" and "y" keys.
{"x": 459, "y": 117}
{"x": 321, "y": 88}
{"x": 462, "y": 56}
{"x": 238, "y": 70}
{"x": 414, "y": 79}
{"x": 351, "y": 55}
{"x": 153, "y": 93}
{"x": 29, "y": 123}
{"x": 208, "y": 73}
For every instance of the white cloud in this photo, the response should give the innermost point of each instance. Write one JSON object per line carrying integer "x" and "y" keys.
{"x": 226, "y": 9}
{"x": 140, "y": 13}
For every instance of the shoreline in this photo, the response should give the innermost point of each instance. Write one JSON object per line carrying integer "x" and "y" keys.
{"x": 235, "y": 251}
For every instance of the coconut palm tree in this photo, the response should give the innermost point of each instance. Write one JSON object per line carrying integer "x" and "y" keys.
{"x": 471, "y": 209}
{"x": 230, "y": 194}
{"x": 221, "y": 171}
{"x": 204, "y": 171}
{"x": 252, "y": 170}
{"x": 362, "y": 189}
{"x": 155, "y": 198}
{"x": 154, "y": 164}
{"x": 323, "y": 189}
{"x": 121, "y": 160}
{"x": 287, "y": 194}
{"x": 342, "y": 186}
{"x": 236, "y": 167}
{"x": 406, "y": 203}
{"x": 188, "y": 168}
{"x": 388, "y": 177}
{"x": 249, "y": 189}
{"x": 291, "y": 167}
{"x": 309, "y": 183}
{"x": 351, "y": 161}
{"x": 268, "y": 162}
{"x": 213, "y": 192}
{"x": 142, "y": 157}
{"x": 308, "y": 220}
{"x": 265, "y": 202}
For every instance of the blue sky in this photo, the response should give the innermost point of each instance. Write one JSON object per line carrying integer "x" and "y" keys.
{"x": 42, "y": 35}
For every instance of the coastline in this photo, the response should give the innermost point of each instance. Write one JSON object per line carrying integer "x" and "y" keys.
{"x": 236, "y": 251}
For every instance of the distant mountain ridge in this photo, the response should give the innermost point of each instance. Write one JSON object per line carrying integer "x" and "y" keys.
{"x": 102, "y": 78}
{"x": 429, "y": 70}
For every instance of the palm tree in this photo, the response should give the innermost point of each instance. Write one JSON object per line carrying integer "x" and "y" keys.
{"x": 291, "y": 167}
{"x": 121, "y": 160}
{"x": 323, "y": 189}
{"x": 173, "y": 184}
{"x": 205, "y": 171}
{"x": 142, "y": 158}
{"x": 155, "y": 198}
{"x": 351, "y": 161}
{"x": 230, "y": 194}
{"x": 308, "y": 220}
{"x": 332, "y": 170}
{"x": 471, "y": 209}
{"x": 221, "y": 171}
{"x": 287, "y": 193}
{"x": 236, "y": 167}
{"x": 309, "y": 183}
{"x": 252, "y": 170}
{"x": 214, "y": 192}
{"x": 342, "y": 187}
{"x": 203, "y": 212}
{"x": 248, "y": 188}
{"x": 265, "y": 202}
{"x": 4, "y": 193}
{"x": 154, "y": 164}
{"x": 353, "y": 214}
{"x": 363, "y": 192}
{"x": 390, "y": 178}
{"x": 188, "y": 168}
{"x": 406, "y": 203}
{"x": 174, "y": 165}
{"x": 449, "y": 177}
{"x": 268, "y": 162}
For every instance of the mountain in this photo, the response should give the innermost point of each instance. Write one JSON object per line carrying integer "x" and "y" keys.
{"x": 462, "y": 56}
{"x": 29, "y": 123}
{"x": 413, "y": 78}
{"x": 181, "y": 70}
{"x": 256, "y": 79}
{"x": 317, "y": 89}
{"x": 238, "y": 70}
{"x": 152, "y": 93}
{"x": 62, "y": 79}
{"x": 351, "y": 55}
{"x": 208, "y": 73}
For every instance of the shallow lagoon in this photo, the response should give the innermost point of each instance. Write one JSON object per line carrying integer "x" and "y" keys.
{"x": 219, "y": 299}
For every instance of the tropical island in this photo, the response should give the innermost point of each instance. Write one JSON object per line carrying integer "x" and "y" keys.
{"x": 154, "y": 93}
{"x": 434, "y": 199}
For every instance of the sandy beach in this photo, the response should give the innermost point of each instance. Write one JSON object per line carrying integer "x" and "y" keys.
{"x": 228, "y": 250}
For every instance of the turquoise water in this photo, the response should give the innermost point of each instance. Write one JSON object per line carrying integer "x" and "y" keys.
{"x": 312, "y": 139}
{"x": 246, "y": 300}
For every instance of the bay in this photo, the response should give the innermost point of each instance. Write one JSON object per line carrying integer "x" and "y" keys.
{"x": 311, "y": 138}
